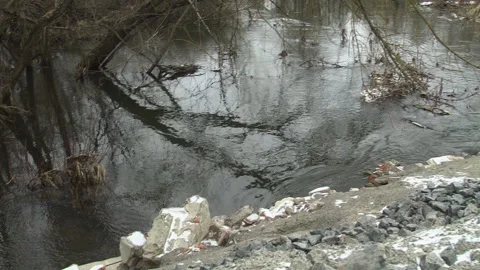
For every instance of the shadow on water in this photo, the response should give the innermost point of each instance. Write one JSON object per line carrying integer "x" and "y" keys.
{"x": 249, "y": 127}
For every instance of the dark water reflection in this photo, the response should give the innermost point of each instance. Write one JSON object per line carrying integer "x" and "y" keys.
{"x": 260, "y": 130}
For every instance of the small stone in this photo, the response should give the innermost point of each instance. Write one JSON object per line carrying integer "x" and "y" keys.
{"x": 473, "y": 184}
{"x": 349, "y": 232}
{"x": 362, "y": 237}
{"x": 393, "y": 230}
{"x": 466, "y": 192}
{"x": 431, "y": 261}
{"x": 297, "y": 236}
{"x": 303, "y": 246}
{"x": 251, "y": 219}
{"x": 475, "y": 255}
{"x": 439, "y": 191}
{"x": 411, "y": 227}
{"x": 298, "y": 200}
{"x": 354, "y": 189}
{"x": 372, "y": 257}
{"x": 318, "y": 231}
{"x": 442, "y": 199}
{"x": 457, "y": 186}
{"x": 359, "y": 230}
{"x": 315, "y": 205}
{"x": 387, "y": 211}
{"x": 314, "y": 239}
{"x": 449, "y": 256}
{"x": 385, "y": 223}
{"x": 463, "y": 246}
{"x": 416, "y": 219}
{"x": 242, "y": 253}
{"x": 180, "y": 266}
{"x": 331, "y": 240}
{"x": 470, "y": 209}
{"x": 377, "y": 235}
{"x": 366, "y": 222}
{"x": 454, "y": 208}
{"x": 458, "y": 199}
{"x": 283, "y": 242}
{"x": 330, "y": 232}
{"x": 382, "y": 180}
{"x": 403, "y": 232}
{"x": 439, "y": 206}
{"x": 239, "y": 216}
{"x": 289, "y": 210}
{"x": 317, "y": 256}
{"x": 348, "y": 240}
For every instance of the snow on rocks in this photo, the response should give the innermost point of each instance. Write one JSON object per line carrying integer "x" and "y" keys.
{"x": 431, "y": 181}
{"x": 131, "y": 246}
{"x": 173, "y": 228}
{"x": 443, "y": 159}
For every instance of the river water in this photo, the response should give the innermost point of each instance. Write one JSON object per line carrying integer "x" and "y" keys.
{"x": 262, "y": 128}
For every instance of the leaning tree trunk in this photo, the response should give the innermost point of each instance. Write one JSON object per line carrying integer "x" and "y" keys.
{"x": 100, "y": 55}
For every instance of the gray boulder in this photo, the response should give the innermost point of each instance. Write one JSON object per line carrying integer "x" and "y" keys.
{"x": 449, "y": 255}
{"x": 373, "y": 257}
{"x": 431, "y": 261}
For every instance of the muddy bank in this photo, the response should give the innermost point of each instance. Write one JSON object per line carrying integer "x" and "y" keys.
{"x": 340, "y": 210}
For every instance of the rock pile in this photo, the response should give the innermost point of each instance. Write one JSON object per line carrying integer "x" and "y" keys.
{"x": 406, "y": 235}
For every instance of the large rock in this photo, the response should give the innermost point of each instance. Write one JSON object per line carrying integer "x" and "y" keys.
{"x": 431, "y": 261}
{"x": 131, "y": 248}
{"x": 373, "y": 257}
{"x": 237, "y": 217}
{"x": 178, "y": 228}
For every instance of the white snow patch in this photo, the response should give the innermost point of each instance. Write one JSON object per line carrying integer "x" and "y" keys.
{"x": 435, "y": 180}
{"x": 319, "y": 190}
{"x": 339, "y": 202}
{"x": 195, "y": 199}
{"x": 442, "y": 159}
{"x": 340, "y": 255}
{"x": 210, "y": 243}
{"x": 137, "y": 239}
{"x": 285, "y": 264}
{"x": 426, "y": 4}
{"x": 355, "y": 197}
{"x": 266, "y": 213}
{"x": 345, "y": 255}
{"x": 465, "y": 257}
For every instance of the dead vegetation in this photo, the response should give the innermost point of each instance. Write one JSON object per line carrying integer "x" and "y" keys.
{"x": 83, "y": 176}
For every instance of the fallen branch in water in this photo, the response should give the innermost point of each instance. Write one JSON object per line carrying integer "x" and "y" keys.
{"x": 417, "y": 124}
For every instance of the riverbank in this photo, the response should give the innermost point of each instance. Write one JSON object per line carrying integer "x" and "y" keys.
{"x": 352, "y": 220}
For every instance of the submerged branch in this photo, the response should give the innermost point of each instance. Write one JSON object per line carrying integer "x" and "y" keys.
{"x": 430, "y": 27}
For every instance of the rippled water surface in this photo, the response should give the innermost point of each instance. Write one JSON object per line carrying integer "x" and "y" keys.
{"x": 261, "y": 129}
